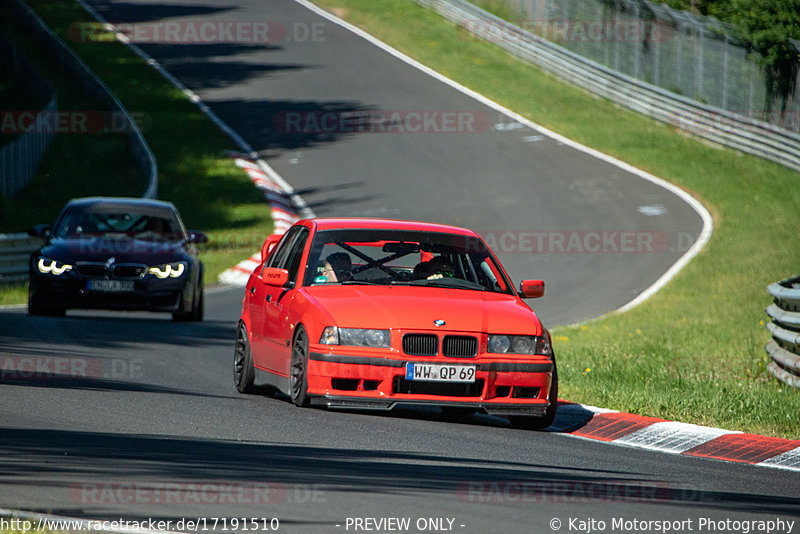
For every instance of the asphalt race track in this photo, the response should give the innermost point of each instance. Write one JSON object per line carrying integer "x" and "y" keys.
{"x": 527, "y": 194}
{"x": 155, "y": 429}
{"x": 134, "y": 416}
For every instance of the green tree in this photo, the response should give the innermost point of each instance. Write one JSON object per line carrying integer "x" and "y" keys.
{"x": 769, "y": 27}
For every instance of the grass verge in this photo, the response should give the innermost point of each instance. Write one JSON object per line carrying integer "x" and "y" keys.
{"x": 694, "y": 352}
{"x": 211, "y": 193}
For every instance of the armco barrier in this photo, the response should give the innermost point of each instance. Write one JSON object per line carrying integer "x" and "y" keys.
{"x": 784, "y": 348}
{"x": 15, "y": 252}
{"x": 717, "y": 125}
{"x": 73, "y": 66}
{"x": 20, "y": 158}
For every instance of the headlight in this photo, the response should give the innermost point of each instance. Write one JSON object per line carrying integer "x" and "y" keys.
{"x": 48, "y": 266}
{"x": 330, "y": 336}
{"x": 357, "y": 337}
{"x": 500, "y": 344}
{"x": 168, "y": 270}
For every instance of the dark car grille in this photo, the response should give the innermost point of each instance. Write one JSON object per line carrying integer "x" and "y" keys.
{"x": 460, "y": 346}
{"x": 93, "y": 270}
{"x": 443, "y": 389}
{"x": 129, "y": 270}
{"x": 421, "y": 344}
{"x": 102, "y": 270}
{"x": 452, "y": 346}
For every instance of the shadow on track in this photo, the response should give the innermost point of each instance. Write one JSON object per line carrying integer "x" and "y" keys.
{"x": 156, "y": 461}
{"x": 129, "y": 12}
{"x": 48, "y": 336}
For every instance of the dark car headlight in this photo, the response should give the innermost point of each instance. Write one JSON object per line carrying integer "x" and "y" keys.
{"x": 50, "y": 266}
{"x": 503, "y": 344}
{"x": 168, "y": 270}
{"x": 356, "y": 337}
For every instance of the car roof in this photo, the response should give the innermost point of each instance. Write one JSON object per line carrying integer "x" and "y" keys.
{"x": 121, "y": 201}
{"x": 368, "y": 223}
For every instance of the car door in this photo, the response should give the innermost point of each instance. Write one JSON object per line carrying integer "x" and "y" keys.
{"x": 258, "y": 297}
{"x": 277, "y": 327}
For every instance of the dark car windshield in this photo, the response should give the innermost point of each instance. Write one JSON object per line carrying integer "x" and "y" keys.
{"x": 400, "y": 257}
{"x": 122, "y": 222}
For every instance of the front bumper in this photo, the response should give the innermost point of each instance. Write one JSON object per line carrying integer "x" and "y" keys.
{"x": 379, "y": 383}
{"x": 149, "y": 293}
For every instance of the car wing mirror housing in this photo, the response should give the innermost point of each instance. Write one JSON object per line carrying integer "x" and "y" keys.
{"x": 269, "y": 246}
{"x": 531, "y": 289}
{"x": 272, "y": 276}
{"x": 39, "y": 230}
{"x": 197, "y": 237}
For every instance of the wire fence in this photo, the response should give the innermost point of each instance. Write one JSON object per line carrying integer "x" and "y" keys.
{"x": 694, "y": 56}
{"x": 720, "y": 126}
{"x": 21, "y": 156}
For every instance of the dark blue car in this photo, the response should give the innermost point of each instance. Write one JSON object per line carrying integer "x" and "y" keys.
{"x": 119, "y": 254}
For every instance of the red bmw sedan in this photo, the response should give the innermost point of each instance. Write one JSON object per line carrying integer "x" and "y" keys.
{"x": 375, "y": 314}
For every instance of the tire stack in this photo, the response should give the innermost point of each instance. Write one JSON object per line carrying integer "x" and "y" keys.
{"x": 784, "y": 347}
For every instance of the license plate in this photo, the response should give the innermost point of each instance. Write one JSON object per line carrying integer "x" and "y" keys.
{"x": 111, "y": 286}
{"x": 434, "y": 372}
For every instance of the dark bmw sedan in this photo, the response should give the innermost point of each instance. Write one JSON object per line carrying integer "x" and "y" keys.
{"x": 119, "y": 254}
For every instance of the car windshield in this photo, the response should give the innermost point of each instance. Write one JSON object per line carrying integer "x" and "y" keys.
{"x": 121, "y": 222}
{"x": 400, "y": 257}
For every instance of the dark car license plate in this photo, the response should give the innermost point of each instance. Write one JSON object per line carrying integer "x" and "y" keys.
{"x": 111, "y": 286}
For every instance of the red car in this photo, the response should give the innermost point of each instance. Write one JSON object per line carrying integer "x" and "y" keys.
{"x": 372, "y": 314}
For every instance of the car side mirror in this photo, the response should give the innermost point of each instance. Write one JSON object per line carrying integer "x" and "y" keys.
{"x": 269, "y": 245}
{"x": 272, "y": 276}
{"x": 531, "y": 289}
{"x": 39, "y": 230}
{"x": 197, "y": 237}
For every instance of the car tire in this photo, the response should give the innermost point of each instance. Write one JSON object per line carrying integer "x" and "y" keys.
{"x": 528, "y": 422}
{"x": 243, "y": 371}
{"x": 298, "y": 374}
{"x": 197, "y": 311}
{"x": 37, "y": 306}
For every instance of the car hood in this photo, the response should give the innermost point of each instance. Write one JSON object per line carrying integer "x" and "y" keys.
{"x": 416, "y": 308}
{"x": 100, "y": 249}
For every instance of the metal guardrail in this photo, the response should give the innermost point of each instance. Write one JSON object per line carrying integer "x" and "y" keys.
{"x": 20, "y": 158}
{"x": 784, "y": 348}
{"x": 15, "y": 253}
{"x": 717, "y": 125}
{"x": 91, "y": 84}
